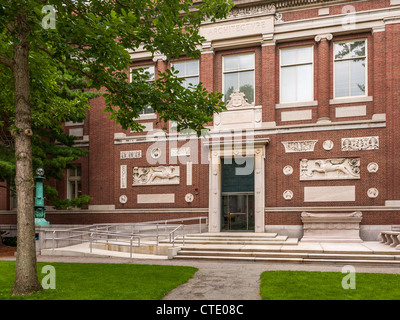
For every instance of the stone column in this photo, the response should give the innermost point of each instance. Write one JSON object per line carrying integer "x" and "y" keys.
{"x": 323, "y": 77}
{"x": 214, "y": 215}
{"x": 259, "y": 191}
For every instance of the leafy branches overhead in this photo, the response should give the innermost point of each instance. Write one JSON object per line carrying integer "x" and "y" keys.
{"x": 89, "y": 48}
{"x": 94, "y": 38}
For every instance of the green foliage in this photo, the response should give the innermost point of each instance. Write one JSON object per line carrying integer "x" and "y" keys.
{"x": 57, "y": 95}
{"x": 89, "y": 50}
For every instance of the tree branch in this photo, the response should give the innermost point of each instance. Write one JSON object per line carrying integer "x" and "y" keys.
{"x": 6, "y": 61}
{"x": 89, "y": 75}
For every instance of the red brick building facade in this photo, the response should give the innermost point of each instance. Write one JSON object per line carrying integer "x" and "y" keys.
{"x": 313, "y": 96}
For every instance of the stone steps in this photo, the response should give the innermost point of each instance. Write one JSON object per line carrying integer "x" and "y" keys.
{"x": 235, "y": 239}
{"x": 280, "y": 249}
{"x": 282, "y": 257}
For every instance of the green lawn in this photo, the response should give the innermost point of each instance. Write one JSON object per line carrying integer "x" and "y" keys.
{"x": 83, "y": 281}
{"x": 305, "y": 285}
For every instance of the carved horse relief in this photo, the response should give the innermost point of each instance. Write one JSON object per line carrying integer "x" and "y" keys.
{"x": 155, "y": 175}
{"x": 330, "y": 169}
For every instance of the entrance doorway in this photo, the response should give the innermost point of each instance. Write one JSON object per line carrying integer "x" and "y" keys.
{"x": 237, "y": 212}
{"x": 237, "y": 194}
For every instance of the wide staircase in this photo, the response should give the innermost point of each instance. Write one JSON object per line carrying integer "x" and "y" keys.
{"x": 271, "y": 247}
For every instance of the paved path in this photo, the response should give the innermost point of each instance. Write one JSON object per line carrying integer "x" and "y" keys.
{"x": 222, "y": 280}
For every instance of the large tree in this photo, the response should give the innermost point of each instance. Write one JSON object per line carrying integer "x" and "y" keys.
{"x": 94, "y": 39}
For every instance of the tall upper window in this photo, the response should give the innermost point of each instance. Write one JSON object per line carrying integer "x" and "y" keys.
{"x": 350, "y": 68}
{"x": 238, "y": 72}
{"x": 149, "y": 71}
{"x": 74, "y": 183}
{"x": 296, "y": 83}
{"x": 188, "y": 71}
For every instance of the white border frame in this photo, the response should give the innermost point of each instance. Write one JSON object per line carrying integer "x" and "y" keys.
{"x": 244, "y": 70}
{"x": 302, "y": 102}
{"x": 366, "y": 69}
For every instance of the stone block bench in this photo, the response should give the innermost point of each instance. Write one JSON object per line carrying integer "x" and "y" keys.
{"x": 391, "y": 238}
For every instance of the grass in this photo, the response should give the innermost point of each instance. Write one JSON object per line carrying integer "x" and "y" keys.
{"x": 83, "y": 281}
{"x": 306, "y": 285}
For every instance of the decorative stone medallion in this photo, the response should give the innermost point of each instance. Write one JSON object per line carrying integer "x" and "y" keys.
{"x": 372, "y": 167}
{"x": 328, "y": 145}
{"x": 189, "y": 197}
{"x": 288, "y": 195}
{"x": 373, "y": 192}
{"x": 123, "y": 199}
{"x": 288, "y": 170}
{"x": 155, "y": 153}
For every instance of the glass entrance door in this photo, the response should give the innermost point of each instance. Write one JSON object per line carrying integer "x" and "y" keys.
{"x": 237, "y": 212}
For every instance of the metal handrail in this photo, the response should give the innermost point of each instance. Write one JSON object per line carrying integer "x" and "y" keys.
{"x": 101, "y": 232}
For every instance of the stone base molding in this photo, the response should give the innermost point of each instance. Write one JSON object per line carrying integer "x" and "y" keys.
{"x": 331, "y": 227}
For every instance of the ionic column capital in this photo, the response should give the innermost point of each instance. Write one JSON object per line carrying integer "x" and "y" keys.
{"x": 320, "y": 37}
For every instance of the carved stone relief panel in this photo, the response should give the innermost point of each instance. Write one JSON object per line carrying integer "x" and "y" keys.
{"x": 144, "y": 176}
{"x": 133, "y": 154}
{"x": 299, "y": 146}
{"x": 123, "y": 176}
{"x": 330, "y": 169}
{"x": 357, "y": 144}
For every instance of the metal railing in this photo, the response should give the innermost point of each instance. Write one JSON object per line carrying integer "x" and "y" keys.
{"x": 124, "y": 234}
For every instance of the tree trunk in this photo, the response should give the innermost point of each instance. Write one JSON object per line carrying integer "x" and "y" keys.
{"x": 26, "y": 279}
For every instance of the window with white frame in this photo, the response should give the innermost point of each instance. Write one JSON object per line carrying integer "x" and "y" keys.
{"x": 149, "y": 71}
{"x": 188, "y": 71}
{"x": 350, "y": 60}
{"x": 238, "y": 73}
{"x": 296, "y": 74}
{"x": 74, "y": 183}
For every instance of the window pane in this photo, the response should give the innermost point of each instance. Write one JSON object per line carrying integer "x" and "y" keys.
{"x": 148, "y": 110}
{"x": 288, "y": 56}
{"x": 79, "y": 188}
{"x": 231, "y": 63}
{"x": 246, "y": 85}
{"x": 193, "y": 81}
{"x": 180, "y": 67}
{"x": 350, "y": 50}
{"x": 78, "y": 171}
{"x": 192, "y": 68}
{"x": 230, "y": 85}
{"x": 72, "y": 172}
{"x": 304, "y": 83}
{"x": 304, "y": 55}
{"x": 357, "y": 75}
{"x": 288, "y": 84}
{"x": 150, "y": 72}
{"x": 296, "y": 56}
{"x": 342, "y": 51}
{"x": 342, "y": 79}
{"x": 246, "y": 61}
{"x": 72, "y": 190}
